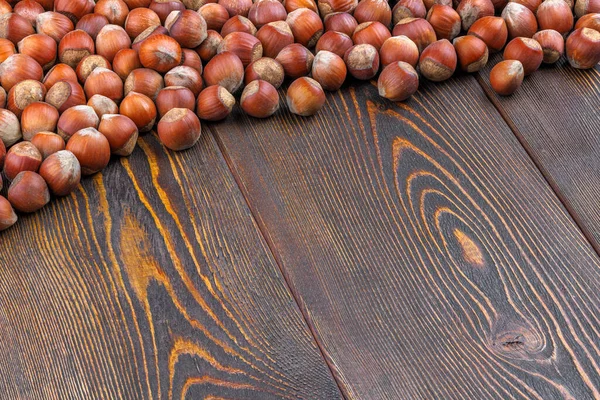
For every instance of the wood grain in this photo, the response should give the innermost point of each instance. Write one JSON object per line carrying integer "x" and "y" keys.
{"x": 151, "y": 282}
{"x": 430, "y": 256}
{"x": 556, "y": 116}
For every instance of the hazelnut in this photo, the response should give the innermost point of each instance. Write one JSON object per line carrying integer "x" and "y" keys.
{"x": 584, "y": 7}
{"x": 28, "y": 192}
{"x": 185, "y": 76}
{"x": 531, "y": 4}
{"x": 191, "y": 59}
{"x": 555, "y": 14}
{"x": 431, "y": 3}
{"x": 42, "y": 48}
{"x": 23, "y": 156}
{"x": 296, "y": 60}
{"x": 306, "y": 26}
{"x": 329, "y": 70}
{"x": 160, "y": 53}
{"x": 104, "y": 82}
{"x": 408, "y": 9}
{"x": 472, "y": 53}
{"x": 7, "y": 214}
{"x": 236, "y": 7}
{"x": 38, "y": 117}
{"x": 125, "y": 61}
{"x": 174, "y": 97}
{"x": 145, "y": 81}
{"x": 14, "y": 27}
{"x": 340, "y": 22}
{"x": 373, "y": 33}
{"x": 264, "y": 11}
{"x": 260, "y": 99}
{"x": 305, "y": 96}
{"x": 214, "y": 103}
{"x": 121, "y": 133}
{"x": 553, "y": 45}
{"x": 74, "y": 9}
{"x": 65, "y": 94}
{"x": 17, "y": 68}
{"x": 445, "y": 21}
{"x": 137, "y": 3}
{"x": 215, "y": 16}
{"x": 520, "y": 21}
{"x": 75, "y": 46}
{"x": 327, "y": 7}
{"x": 91, "y": 149}
{"x": 102, "y": 105}
{"x": 92, "y": 24}
{"x": 60, "y": 72}
{"x": 187, "y": 27}
{"x": 237, "y": 23}
{"x": 10, "y": 129}
{"x": 335, "y": 42}
{"x": 23, "y": 94}
{"x": 62, "y": 172}
{"x": 138, "y": 20}
{"x": 53, "y": 24}
{"x": 526, "y": 50}
{"x": 225, "y": 69}
{"x": 47, "y": 143}
{"x": 29, "y": 10}
{"x": 398, "y": 81}
{"x": 5, "y": 7}
{"x": 492, "y": 30}
{"x": 362, "y": 61}
{"x": 89, "y": 64}
{"x": 110, "y": 40}
{"x": 163, "y": 8}
{"x": 416, "y": 29}
{"x": 116, "y": 11}
{"x": 245, "y": 46}
{"x": 148, "y": 33}
{"x": 438, "y": 61}
{"x": 274, "y": 36}
{"x": 591, "y": 21}
{"x": 373, "y": 10}
{"x": 292, "y": 5}
{"x": 76, "y": 118}
{"x": 399, "y": 48}
{"x": 583, "y": 48}
{"x": 472, "y": 10}
{"x": 2, "y": 97}
{"x": 7, "y": 49}
{"x": 266, "y": 69}
{"x": 179, "y": 129}
{"x": 140, "y": 109}
{"x": 208, "y": 49}
{"x": 506, "y": 77}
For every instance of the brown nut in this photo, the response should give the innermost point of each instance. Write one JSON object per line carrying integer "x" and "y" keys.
{"x": 335, "y": 42}
{"x": 306, "y": 25}
{"x": 140, "y": 19}
{"x": 42, "y": 48}
{"x": 237, "y": 23}
{"x": 208, "y": 49}
{"x": 65, "y": 94}
{"x": 102, "y": 105}
{"x": 362, "y": 61}
{"x": 38, "y": 117}
{"x": 104, "y": 82}
{"x": 259, "y": 99}
{"x": 225, "y": 69}
{"x": 416, "y": 29}
{"x": 74, "y": 119}
{"x": 10, "y": 129}
{"x": 187, "y": 27}
{"x": 264, "y": 11}
{"x": 92, "y": 24}
{"x": 586, "y": 7}
{"x": 185, "y": 76}
{"x": 14, "y": 27}
{"x": 145, "y": 81}
{"x": 75, "y": 46}
{"x": 236, "y": 7}
{"x": 62, "y": 172}
{"x": 292, "y": 5}
{"x": 91, "y": 149}
{"x": 48, "y": 143}
{"x": 121, "y": 133}
{"x": 163, "y": 8}
{"x": 53, "y": 24}
{"x": 555, "y": 14}
{"x": 274, "y": 36}
{"x": 174, "y": 97}
{"x": 305, "y": 96}
{"x": 526, "y": 50}
{"x": 373, "y": 10}
{"x": 438, "y": 61}
{"x": 23, "y": 156}
{"x": 583, "y": 48}
{"x": 340, "y": 22}
{"x": 28, "y": 192}
{"x": 28, "y": 9}
{"x": 17, "y": 68}
{"x": 327, "y": 7}
{"x": 140, "y": 109}
{"x": 88, "y": 64}
{"x": 7, "y": 214}
{"x": 2, "y": 97}
{"x": 296, "y": 60}
{"x": 160, "y": 53}
{"x": 445, "y": 21}
{"x": 492, "y": 30}
{"x": 191, "y": 59}
{"x": 245, "y": 46}
{"x": 531, "y": 4}
{"x": 110, "y": 40}
{"x": 591, "y": 21}
{"x": 148, "y": 33}
{"x": 125, "y": 61}
{"x": 214, "y": 103}
{"x": 7, "y": 49}
{"x": 60, "y": 72}
{"x": 373, "y": 33}
{"x": 506, "y": 77}
{"x": 179, "y": 129}
{"x": 553, "y": 45}
{"x": 329, "y": 70}
{"x": 23, "y": 94}
{"x": 408, "y": 9}
{"x": 472, "y": 53}
{"x": 398, "y": 81}
{"x": 215, "y": 16}
{"x": 520, "y": 21}
{"x": 74, "y": 9}
{"x": 266, "y": 69}
{"x": 399, "y": 48}
{"x": 472, "y": 10}
{"x": 115, "y": 11}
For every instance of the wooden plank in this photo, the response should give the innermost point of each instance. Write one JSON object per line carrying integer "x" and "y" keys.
{"x": 430, "y": 256}
{"x": 151, "y": 282}
{"x": 557, "y": 118}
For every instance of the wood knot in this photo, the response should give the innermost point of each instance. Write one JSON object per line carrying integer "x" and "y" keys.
{"x": 470, "y": 250}
{"x": 517, "y": 341}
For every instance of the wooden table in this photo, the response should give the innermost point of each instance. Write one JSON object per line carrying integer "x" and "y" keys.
{"x": 445, "y": 247}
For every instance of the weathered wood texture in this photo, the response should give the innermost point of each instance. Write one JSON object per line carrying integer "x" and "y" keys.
{"x": 556, "y": 116}
{"x": 429, "y": 254}
{"x": 151, "y": 282}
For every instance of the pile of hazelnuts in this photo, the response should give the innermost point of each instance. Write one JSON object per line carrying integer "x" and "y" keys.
{"x": 80, "y": 79}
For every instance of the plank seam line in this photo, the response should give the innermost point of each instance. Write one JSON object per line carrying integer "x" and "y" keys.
{"x": 545, "y": 174}
{"x": 262, "y": 229}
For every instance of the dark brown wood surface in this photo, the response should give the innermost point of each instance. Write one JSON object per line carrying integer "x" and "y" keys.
{"x": 151, "y": 282}
{"x": 430, "y": 256}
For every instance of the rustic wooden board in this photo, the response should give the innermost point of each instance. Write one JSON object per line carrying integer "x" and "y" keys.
{"x": 557, "y": 118}
{"x": 429, "y": 254}
{"x": 152, "y": 281}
